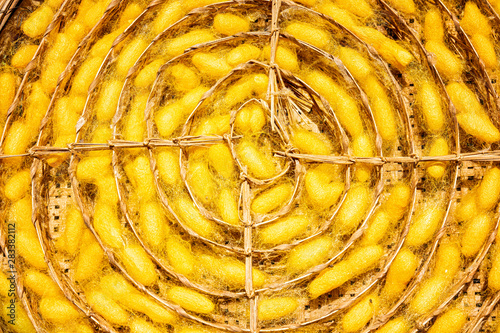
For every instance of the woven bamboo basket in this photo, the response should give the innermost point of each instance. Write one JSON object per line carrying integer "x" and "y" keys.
{"x": 249, "y": 166}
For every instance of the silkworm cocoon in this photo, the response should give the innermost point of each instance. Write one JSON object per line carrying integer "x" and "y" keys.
{"x": 147, "y": 75}
{"x": 447, "y": 63}
{"x": 5, "y": 285}
{"x": 424, "y": 225}
{"x": 23, "y": 56}
{"x": 76, "y": 30}
{"x": 20, "y": 214}
{"x": 67, "y": 110}
{"x": 485, "y": 50}
{"x": 448, "y": 261}
{"x": 311, "y": 143}
{"x": 467, "y": 208}
{"x": 94, "y": 14}
{"x": 433, "y": 26}
{"x": 250, "y": 119}
{"x": 451, "y": 321}
{"x": 55, "y": 4}
{"x": 168, "y": 119}
{"x": 221, "y": 159}
{"x": 339, "y": 15}
{"x": 150, "y": 308}
{"x": 167, "y": 15}
{"x": 394, "y": 53}
{"x": 309, "y": 33}
{"x": 8, "y": 87}
{"x": 116, "y": 287}
{"x": 360, "y": 8}
{"x": 41, "y": 284}
{"x": 135, "y": 127}
{"x": 383, "y": 112}
{"x": 85, "y": 75}
{"x": 105, "y": 107}
{"x": 106, "y": 307}
{"x": 101, "y": 134}
{"x": 106, "y": 189}
{"x": 139, "y": 265}
{"x": 190, "y": 215}
{"x": 38, "y": 21}
{"x": 180, "y": 256}
{"x": 177, "y": 45}
{"x": 102, "y": 46}
{"x": 29, "y": 248}
{"x": 50, "y": 75}
{"x": 322, "y": 187}
{"x": 429, "y": 100}
{"x": 258, "y": 163}
{"x": 471, "y": 115}
{"x": 57, "y": 310}
{"x": 488, "y": 192}
{"x": 130, "y": 13}
{"x": 230, "y": 24}
{"x": 139, "y": 325}
{"x": 227, "y": 204}
{"x": 345, "y": 107}
{"x": 89, "y": 261}
{"x": 231, "y": 271}
{"x": 214, "y": 125}
{"x": 284, "y": 229}
{"x": 309, "y": 254}
{"x": 22, "y": 323}
{"x": 185, "y": 78}
{"x": 17, "y": 139}
{"x": 356, "y": 63}
{"x": 140, "y": 174}
{"x": 475, "y": 234}
{"x": 428, "y": 295}
{"x": 360, "y": 314}
{"x": 153, "y": 223}
{"x": 439, "y": 147}
{"x": 73, "y": 230}
{"x": 377, "y": 228}
{"x": 358, "y": 262}
{"x": 405, "y": 6}
{"x": 107, "y": 225}
{"x": 246, "y": 87}
{"x": 278, "y": 307}
{"x": 400, "y": 273}
{"x": 242, "y": 54}
{"x": 286, "y": 58}
{"x": 62, "y": 49}
{"x": 190, "y": 300}
{"x": 17, "y": 185}
{"x": 354, "y": 208}
{"x": 272, "y": 198}
{"x": 201, "y": 180}
{"x": 398, "y": 325}
{"x": 167, "y": 162}
{"x": 473, "y": 21}
{"x": 494, "y": 272}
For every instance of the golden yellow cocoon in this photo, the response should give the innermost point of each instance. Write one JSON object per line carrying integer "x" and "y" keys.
{"x": 271, "y": 199}
{"x": 227, "y": 204}
{"x": 190, "y": 300}
{"x": 107, "y": 225}
{"x": 345, "y": 106}
{"x": 433, "y": 26}
{"x": 259, "y": 164}
{"x": 488, "y": 192}
{"x": 428, "y": 295}
{"x": 231, "y": 271}
{"x": 116, "y": 287}
{"x": 94, "y": 14}
{"x": 448, "y": 260}
{"x": 50, "y": 75}
{"x": 185, "y": 78}
{"x": 135, "y": 127}
{"x": 213, "y": 125}
{"x": 398, "y": 201}
{"x": 102, "y": 46}
{"x": 41, "y": 284}
{"x": 355, "y": 62}
{"x": 106, "y": 307}
{"x": 429, "y": 100}
{"x": 221, "y": 159}
{"x": 76, "y": 30}
{"x": 475, "y": 234}
{"x": 278, "y": 307}
{"x": 339, "y": 15}
{"x": 130, "y": 13}
{"x": 398, "y": 325}
{"x": 360, "y": 314}
{"x": 139, "y": 265}
{"x": 168, "y": 14}
{"x": 494, "y": 272}
{"x": 177, "y": 45}
{"x": 106, "y": 190}
{"x": 353, "y": 208}
{"x": 447, "y": 63}
{"x": 311, "y": 143}
{"x": 73, "y": 230}
{"x": 405, "y": 6}
{"x": 242, "y": 54}
{"x": 139, "y": 325}
{"x": 485, "y": 49}
{"x": 192, "y": 218}
{"x": 284, "y": 229}
{"x": 250, "y": 119}
{"x": 105, "y": 107}
{"x": 400, "y": 273}
{"x": 211, "y": 64}
{"x": 473, "y": 21}
{"x": 230, "y": 24}
{"x": 17, "y": 185}
{"x": 29, "y": 248}
{"x": 54, "y": 3}
{"x": 253, "y": 84}
{"x": 377, "y": 227}
{"x": 467, "y": 208}
{"x": 439, "y": 147}
{"x": 358, "y": 262}
{"x": 424, "y": 225}
{"x": 62, "y": 49}
{"x": 85, "y": 75}
{"x": 149, "y": 307}
{"x": 451, "y": 321}
{"x": 309, "y": 254}
{"x": 89, "y": 261}
{"x": 180, "y": 256}
{"x": 322, "y": 186}
{"x": 34, "y": 26}
{"x": 201, "y": 180}
{"x": 20, "y": 214}
{"x": 360, "y": 8}
{"x": 308, "y": 33}
{"x": 22, "y": 323}
{"x": 5, "y": 285}
{"x": 153, "y": 223}
{"x": 141, "y": 176}
{"x": 57, "y": 310}
{"x": 8, "y": 83}
{"x": 66, "y": 112}
{"x": 167, "y": 162}
{"x": 23, "y": 56}
{"x": 286, "y": 58}
{"x": 17, "y": 139}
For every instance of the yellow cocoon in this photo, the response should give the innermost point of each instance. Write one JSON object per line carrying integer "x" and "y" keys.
{"x": 190, "y": 300}
{"x": 107, "y": 225}
{"x": 62, "y": 49}
{"x": 451, "y": 321}
{"x": 221, "y": 159}
{"x": 231, "y": 272}
{"x": 20, "y": 214}
{"x": 308, "y": 33}
{"x": 429, "y": 100}
{"x": 494, "y": 272}
{"x": 138, "y": 264}
{"x": 424, "y": 225}
{"x": 405, "y": 6}
{"x": 286, "y": 58}
{"x": 201, "y": 180}
{"x": 488, "y": 192}
{"x": 141, "y": 326}
{"x": 356, "y": 63}
{"x": 448, "y": 64}
{"x": 311, "y": 143}
{"x": 272, "y": 198}
{"x": 89, "y": 261}
{"x": 361, "y": 313}
{"x": 167, "y": 162}
{"x": 57, "y": 310}
{"x": 177, "y": 45}
{"x": 485, "y": 49}
{"x": 353, "y": 208}
{"x": 106, "y": 307}
{"x": 213, "y": 125}
{"x": 73, "y": 230}
{"x": 185, "y": 77}
{"x": 153, "y": 223}
{"x": 377, "y": 227}
{"x": 339, "y": 15}
{"x": 448, "y": 260}
{"x": 17, "y": 185}
{"x": 428, "y": 295}
{"x": 250, "y": 119}
{"x": 135, "y": 127}
{"x": 37, "y": 22}
{"x": 467, "y": 208}
{"x": 210, "y": 64}
{"x": 230, "y": 24}
{"x": 309, "y": 254}
{"x": 140, "y": 175}
{"x": 246, "y": 87}
{"x": 66, "y": 112}
{"x": 397, "y": 325}
{"x": 439, "y": 147}
{"x": 278, "y": 307}
{"x": 23, "y": 56}
{"x": 147, "y": 75}
{"x": 86, "y": 74}
{"x": 259, "y": 164}
{"x": 30, "y": 249}
{"x": 475, "y": 234}
{"x": 284, "y": 229}
{"x": 242, "y": 54}
{"x": 360, "y": 8}
{"x": 50, "y": 75}
{"x": 41, "y": 284}
{"x": 149, "y": 307}
{"x": 168, "y": 14}
{"x": 433, "y": 26}
{"x": 227, "y": 204}
{"x": 191, "y": 216}
{"x": 8, "y": 83}
{"x": 105, "y": 107}
{"x": 322, "y": 187}
{"x": 473, "y": 21}
{"x": 400, "y": 273}
{"x": 180, "y": 256}
{"x": 17, "y": 139}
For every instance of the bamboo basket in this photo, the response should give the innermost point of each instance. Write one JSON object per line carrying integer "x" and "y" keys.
{"x": 110, "y": 245}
